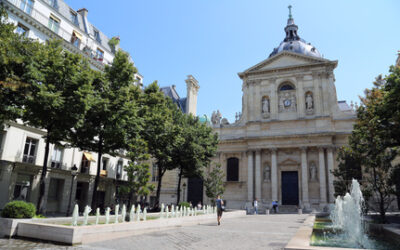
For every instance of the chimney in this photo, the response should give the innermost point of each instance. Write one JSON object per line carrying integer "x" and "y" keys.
{"x": 83, "y": 12}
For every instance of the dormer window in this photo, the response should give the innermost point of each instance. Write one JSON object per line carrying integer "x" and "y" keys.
{"x": 97, "y": 36}
{"x": 74, "y": 18}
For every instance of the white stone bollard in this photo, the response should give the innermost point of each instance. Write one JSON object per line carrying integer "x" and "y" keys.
{"x": 267, "y": 211}
{"x": 300, "y": 211}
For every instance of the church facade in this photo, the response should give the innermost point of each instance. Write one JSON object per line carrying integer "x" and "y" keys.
{"x": 283, "y": 146}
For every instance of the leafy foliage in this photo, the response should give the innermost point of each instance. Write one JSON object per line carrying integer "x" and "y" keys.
{"x": 59, "y": 89}
{"x": 111, "y": 123}
{"x": 19, "y": 210}
{"x": 214, "y": 182}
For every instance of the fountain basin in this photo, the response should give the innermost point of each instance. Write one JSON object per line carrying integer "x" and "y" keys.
{"x": 71, "y": 235}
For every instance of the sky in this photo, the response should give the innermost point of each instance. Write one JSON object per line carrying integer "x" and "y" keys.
{"x": 213, "y": 40}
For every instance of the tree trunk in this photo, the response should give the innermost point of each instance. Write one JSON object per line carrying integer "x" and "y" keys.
{"x": 97, "y": 179}
{"x": 178, "y": 189}
{"x": 130, "y": 198}
{"x": 160, "y": 175}
{"x": 42, "y": 185}
{"x": 382, "y": 211}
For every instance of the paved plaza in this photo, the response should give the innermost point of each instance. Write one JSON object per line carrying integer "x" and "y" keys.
{"x": 250, "y": 232}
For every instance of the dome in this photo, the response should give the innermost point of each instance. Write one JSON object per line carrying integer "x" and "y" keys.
{"x": 293, "y": 42}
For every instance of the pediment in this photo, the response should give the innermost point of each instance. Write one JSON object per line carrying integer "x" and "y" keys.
{"x": 289, "y": 162}
{"x": 285, "y": 59}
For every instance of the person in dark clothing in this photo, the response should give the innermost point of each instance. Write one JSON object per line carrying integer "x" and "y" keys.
{"x": 219, "y": 202}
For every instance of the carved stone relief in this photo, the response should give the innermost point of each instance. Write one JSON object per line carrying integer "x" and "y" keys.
{"x": 287, "y": 101}
{"x": 309, "y": 100}
{"x": 313, "y": 172}
{"x": 265, "y": 107}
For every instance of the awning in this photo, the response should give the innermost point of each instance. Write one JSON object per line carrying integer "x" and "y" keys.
{"x": 89, "y": 156}
{"x": 78, "y": 35}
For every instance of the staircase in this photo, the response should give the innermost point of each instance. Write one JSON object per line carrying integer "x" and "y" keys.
{"x": 286, "y": 209}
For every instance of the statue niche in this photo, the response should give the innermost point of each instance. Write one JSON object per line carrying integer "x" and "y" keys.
{"x": 265, "y": 107}
{"x": 313, "y": 172}
{"x": 309, "y": 100}
{"x": 267, "y": 173}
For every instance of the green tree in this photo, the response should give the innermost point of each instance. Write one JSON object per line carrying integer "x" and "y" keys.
{"x": 59, "y": 84}
{"x": 159, "y": 131}
{"x": 349, "y": 168}
{"x": 370, "y": 144}
{"x": 138, "y": 171}
{"x": 112, "y": 122}
{"x": 16, "y": 53}
{"x": 194, "y": 152}
{"x": 214, "y": 182}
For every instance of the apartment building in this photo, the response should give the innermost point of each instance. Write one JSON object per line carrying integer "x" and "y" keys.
{"x": 71, "y": 174}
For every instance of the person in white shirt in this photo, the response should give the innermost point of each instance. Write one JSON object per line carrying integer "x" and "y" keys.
{"x": 255, "y": 204}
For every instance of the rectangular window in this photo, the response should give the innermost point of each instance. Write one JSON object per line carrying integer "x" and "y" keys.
{"x": 104, "y": 162}
{"x": 99, "y": 54}
{"x": 76, "y": 39}
{"x": 52, "y": 3}
{"x": 85, "y": 164}
{"x": 74, "y": 18}
{"x": 97, "y": 36}
{"x": 54, "y": 23}
{"x": 22, "y": 187}
{"x": 154, "y": 173}
{"x": 26, "y": 6}
{"x": 22, "y": 30}
{"x": 30, "y": 150}
{"x": 56, "y": 157}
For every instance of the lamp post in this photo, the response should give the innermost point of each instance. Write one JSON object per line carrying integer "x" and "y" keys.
{"x": 184, "y": 189}
{"x": 74, "y": 172}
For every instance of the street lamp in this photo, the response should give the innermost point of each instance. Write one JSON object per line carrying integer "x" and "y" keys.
{"x": 74, "y": 172}
{"x": 184, "y": 189}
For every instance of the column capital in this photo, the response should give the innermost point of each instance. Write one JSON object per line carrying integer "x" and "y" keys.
{"x": 330, "y": 148}
{"x": 321, "y": 148}
{"x": 272, "y": 149}
{"x": 303, "y": 149}
{"x": 249, "y": 152}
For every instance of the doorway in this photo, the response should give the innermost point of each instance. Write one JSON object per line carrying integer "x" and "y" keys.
{"x": 290, "y": 188}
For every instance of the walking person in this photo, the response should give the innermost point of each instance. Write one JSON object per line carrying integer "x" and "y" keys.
{"x": 220, "y": 203}
{"x": 255, "y": 204}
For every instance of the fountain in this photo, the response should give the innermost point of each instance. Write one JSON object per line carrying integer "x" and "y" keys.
{"x": 107, "y": 215}
{"x": 172, "y": 211}
{"x": 345, "y": 226}
{"x": 123, "y": 213}
{"x": 144, "y": 214}
{"x": 162, "y": 211}
{"x": 75, "y": 215}
{"x": 132, "y": 214}
{"x": 86, "y": 215}
{"x": 138, "y": 213}
{"x": 116, "y": 213}
{"x": 97, "y": 215}
{"x": 166, "y": 212}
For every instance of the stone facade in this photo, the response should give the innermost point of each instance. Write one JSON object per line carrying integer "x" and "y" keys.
{"x": 288, "y": 132}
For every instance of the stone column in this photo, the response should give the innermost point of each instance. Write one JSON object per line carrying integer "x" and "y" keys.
{"x": 250, "y": 175}
{"x": 274, "y": 175}
{"x": 258, "y": 174}
{"x": 330, "y": 175}
{"x": 322, "y": 178}
{"x": 304, "y": 177}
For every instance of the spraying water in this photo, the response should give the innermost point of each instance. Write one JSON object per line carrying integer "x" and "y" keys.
{"x": 75, "y": 215}
{"x": 347, "y": 217}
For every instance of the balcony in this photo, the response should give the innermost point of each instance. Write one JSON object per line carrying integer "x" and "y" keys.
{"x": 55, "y": 164}
{"x": 28, "y": 159}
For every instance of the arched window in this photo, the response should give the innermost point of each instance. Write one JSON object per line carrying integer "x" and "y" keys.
{"x": 232, "y": 169}
{"x": 286, "y": 86}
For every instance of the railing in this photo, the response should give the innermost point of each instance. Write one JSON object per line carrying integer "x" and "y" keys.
{"x": 28, "y": 159}
{"x": 30, "y": 10}
{"x": 55, "y": 164}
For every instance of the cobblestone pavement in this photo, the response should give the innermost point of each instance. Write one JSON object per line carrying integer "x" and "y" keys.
{"x": 250, "y": 232}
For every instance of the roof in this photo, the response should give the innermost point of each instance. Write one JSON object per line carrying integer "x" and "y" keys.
{"x": 170, "y": 91}
{"x": 343, "y": 106}
{"x": 65, "y": 10}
